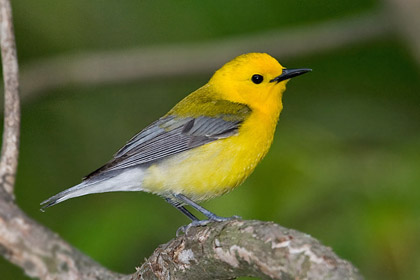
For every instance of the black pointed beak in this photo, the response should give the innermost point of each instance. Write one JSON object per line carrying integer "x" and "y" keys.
{"x": 290, "y": 73}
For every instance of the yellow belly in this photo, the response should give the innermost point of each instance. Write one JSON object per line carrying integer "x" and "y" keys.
{"x": 215, "y": 168}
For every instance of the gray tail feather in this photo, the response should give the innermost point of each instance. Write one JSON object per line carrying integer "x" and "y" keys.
{"x": 75, "y": 191}
{"x": 129, "y": 180}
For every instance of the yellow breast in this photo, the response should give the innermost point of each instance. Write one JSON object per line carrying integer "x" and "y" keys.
{"x": 215, "y": 168}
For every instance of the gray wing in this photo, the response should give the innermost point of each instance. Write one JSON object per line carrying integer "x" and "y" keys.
{"x": 169, "y": 136}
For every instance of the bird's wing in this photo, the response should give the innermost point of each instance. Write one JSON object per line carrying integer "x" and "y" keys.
{"x": 172, "y": 135}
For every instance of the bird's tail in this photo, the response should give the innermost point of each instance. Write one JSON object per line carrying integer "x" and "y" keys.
{"x": 129, "y": 180}
{"x": 78, "y": 190}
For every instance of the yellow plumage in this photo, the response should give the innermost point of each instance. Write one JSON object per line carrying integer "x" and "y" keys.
{"x": 209, "y": 143}
{"x": 217, "y": 167}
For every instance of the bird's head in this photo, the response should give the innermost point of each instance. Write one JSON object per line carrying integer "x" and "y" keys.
{"x": 255, "y": 79}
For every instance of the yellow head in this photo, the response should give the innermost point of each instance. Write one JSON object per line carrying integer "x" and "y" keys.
{"x": 255, "y": 79}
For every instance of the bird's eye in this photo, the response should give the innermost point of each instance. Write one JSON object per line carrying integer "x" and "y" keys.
{"x": 257, "y": 79}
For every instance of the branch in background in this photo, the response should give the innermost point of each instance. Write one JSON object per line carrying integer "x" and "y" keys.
{"x": 11, "y": 125}
{"x": 185, "y": 59}
{"x": 237, "y": 248}
{"x": 406, "y": 15}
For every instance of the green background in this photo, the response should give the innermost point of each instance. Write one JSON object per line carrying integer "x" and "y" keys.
{"x": 344, "y": 165}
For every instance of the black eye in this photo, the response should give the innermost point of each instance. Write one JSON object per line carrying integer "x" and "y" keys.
{"x": 257, "y": 79}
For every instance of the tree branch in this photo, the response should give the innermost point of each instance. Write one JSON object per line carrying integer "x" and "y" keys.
{"x": 218, "y": 251}
{"x": 11, "y": 125}
{"x": 42, "y": 253}
{"x": 24, "y": 242}
{"x": 237, "y": 248}
{"x": 405, "y": 14}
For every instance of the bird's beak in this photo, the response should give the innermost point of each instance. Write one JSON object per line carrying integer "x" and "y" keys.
{"x": 290, "y": 73}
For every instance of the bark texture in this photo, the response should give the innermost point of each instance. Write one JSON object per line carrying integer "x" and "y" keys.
{"x": 40, "y": 252}
{"x": 236, "y": 248}
{"x": 11, "y": 125}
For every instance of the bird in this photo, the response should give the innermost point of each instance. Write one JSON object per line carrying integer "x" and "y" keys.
{"x": 206, "y": 145}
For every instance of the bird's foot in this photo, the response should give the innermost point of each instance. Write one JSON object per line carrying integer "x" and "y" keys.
{"x": 202, "y": 223}
{"x": 186, "y": 228}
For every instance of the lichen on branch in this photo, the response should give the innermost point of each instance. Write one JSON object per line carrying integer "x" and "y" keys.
{"x": 237, "y": 248}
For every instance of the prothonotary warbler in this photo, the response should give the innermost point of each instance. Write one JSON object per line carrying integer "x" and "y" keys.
{"x": 206, "y": 145}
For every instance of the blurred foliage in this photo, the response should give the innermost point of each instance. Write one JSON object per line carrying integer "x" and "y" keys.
{"x": 344, "y": 166}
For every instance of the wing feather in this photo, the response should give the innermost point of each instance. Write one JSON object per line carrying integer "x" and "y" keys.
{"x": 169, "y": 136}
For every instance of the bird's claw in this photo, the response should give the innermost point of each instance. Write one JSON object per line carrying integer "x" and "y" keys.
{"x": 198, "y": 223}
{"x": 202, "y": 223}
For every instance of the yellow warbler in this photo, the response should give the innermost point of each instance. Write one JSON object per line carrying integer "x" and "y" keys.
{"x": 206, "y": 145}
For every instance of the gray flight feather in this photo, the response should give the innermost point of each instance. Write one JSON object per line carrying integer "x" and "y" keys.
{"x": 169, "y": 136}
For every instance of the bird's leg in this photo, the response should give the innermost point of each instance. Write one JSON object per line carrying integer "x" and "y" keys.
{"x": 182, "y": 209}
{"x": 211, "y": 216}
{"x": 195, "y": 222}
